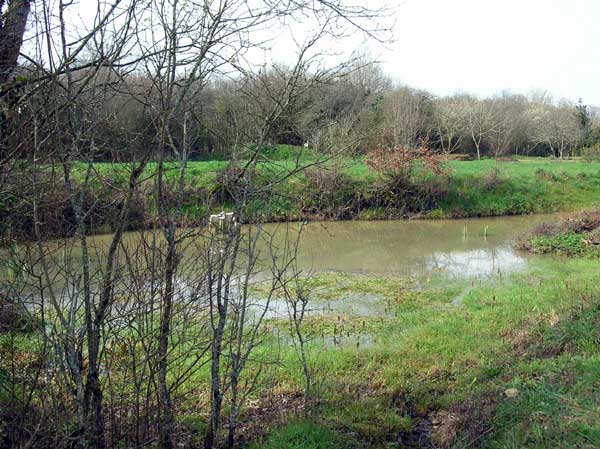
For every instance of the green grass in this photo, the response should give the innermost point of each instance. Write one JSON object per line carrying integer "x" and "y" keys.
{"x": 472, "y": 188}
{"x": 303, "y": 435}
{"x": 536, "y": 332}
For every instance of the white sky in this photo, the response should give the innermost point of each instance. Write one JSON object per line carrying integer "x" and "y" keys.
{"x": 486, "y": 46}
{"x": 479, "y": 46}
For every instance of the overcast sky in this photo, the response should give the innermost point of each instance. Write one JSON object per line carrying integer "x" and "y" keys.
{"x": 486, "y": 46}
{"x": 480, "y": 46}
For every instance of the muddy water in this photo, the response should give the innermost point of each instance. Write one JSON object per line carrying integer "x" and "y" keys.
{"x": 468, "y": 248}
{"x": 463, "y": 249}
{"x": 456, "y": 248}
{"x": 422, "y": 249}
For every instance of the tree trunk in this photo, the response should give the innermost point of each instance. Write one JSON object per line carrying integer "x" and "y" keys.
{"x": 216, "y": 393}
{"x": 95, "y": 417}
{"x": 166, "y": 418}
{"x": 12, "y": 28}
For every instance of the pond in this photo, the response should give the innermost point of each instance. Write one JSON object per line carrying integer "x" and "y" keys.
{"x": 463, "y": 248}
{"x": 469, "y": 248}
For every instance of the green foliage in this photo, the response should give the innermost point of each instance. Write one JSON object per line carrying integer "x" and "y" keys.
{"x": 570, "y": 244}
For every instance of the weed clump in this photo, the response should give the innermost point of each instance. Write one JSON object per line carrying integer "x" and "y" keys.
{"x": 545, "y": 175}
{"x": 493, "y": 180}
{"x": 578, "y": 235}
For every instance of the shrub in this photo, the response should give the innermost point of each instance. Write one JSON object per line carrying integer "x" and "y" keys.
{"x": 405, "y": 185}
{"x": 592, "y": 153}
{"x": 331, "y": 193}
{"x": 229, "y": 182}
{"x": 401, "y": 162}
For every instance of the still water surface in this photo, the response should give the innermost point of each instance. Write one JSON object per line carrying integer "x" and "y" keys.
{"x": 454, "y": 248}
{"x": 422, "y": 249}
{"x": 469, "y": 248}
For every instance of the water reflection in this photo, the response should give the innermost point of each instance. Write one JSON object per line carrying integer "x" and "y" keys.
{"x": 351, "y": 304}
{"x": 457, "y": 248}
{"x": 476, "y": 263}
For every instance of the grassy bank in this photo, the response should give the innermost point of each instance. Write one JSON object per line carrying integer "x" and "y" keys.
{"x": 515, "y": 366}
{"x": 578, "y": 235}
{"x": 337, "y": 190}
{"x": 349, "y": 189}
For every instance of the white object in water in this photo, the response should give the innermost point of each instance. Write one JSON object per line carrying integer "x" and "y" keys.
{"x": 222, "y": 221}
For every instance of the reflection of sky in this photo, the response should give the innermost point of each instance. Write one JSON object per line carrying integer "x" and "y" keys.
{"x": 454, "y": 248}
{"x": 475, "y": 263}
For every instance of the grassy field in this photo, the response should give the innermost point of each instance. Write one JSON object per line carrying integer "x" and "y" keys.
{"x": 350, "y": 189}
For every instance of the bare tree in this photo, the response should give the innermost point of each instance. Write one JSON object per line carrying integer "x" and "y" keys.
{"x": 13, "y": 20}
{"x": 481, "y": 120}
{"x": 407, "y": 116}
{"x": 556, "y": 127}
{"x": 449, "y": 123}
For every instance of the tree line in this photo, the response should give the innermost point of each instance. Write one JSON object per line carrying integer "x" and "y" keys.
{"x": 351, "y": 111}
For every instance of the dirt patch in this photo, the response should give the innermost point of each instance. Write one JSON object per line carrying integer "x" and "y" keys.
{"x": 521, "y": 340}
{"x": 465, "y": 424}
{"x": 420, "y": 434}
{"x": 460, "y": 426}
{"x": 261, "y": 416}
